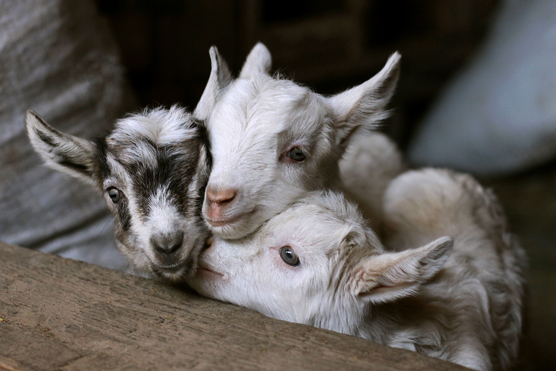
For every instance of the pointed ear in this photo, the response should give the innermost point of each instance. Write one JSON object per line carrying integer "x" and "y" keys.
{"x": 258, "y": 61}
{"x": 62, "y": 152}
{"x": 390, "y": 276}
{"x": 364, "y": 105}
{"x": 220, "y": 77}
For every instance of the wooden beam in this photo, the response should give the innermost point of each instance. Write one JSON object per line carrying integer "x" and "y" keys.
{"x": 61, "y": 314}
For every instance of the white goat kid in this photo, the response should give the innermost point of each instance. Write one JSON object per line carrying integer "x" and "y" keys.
{"x": 370, "y": 163}
{"x": 152, "y": 170}
{"x": 274, "y": 140}
{"x": 482, "y": 285}
{"x": 317, "y": 264}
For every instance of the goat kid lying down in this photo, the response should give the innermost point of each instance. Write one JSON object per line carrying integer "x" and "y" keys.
{"x": 152, "y": 169}
{"x": 274, "y": 140}
{"x": 456, "y": 298}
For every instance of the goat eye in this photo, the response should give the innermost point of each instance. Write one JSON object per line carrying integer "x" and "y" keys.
{"x": 114, "y": 194}
{"x": 296, "y": 154}
{"x": 288, "y": 256}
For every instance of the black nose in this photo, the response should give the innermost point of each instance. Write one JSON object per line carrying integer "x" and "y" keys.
{"x": 167, "y": 243}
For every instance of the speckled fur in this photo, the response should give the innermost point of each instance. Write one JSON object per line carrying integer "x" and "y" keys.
{"x": 159, "y": 161}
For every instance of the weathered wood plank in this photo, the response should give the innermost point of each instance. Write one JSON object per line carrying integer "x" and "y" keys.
{"x": 60, "y": 314}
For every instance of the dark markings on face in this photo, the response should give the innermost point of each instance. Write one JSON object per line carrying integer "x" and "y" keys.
{"x": 103, "y": 172}
{"x": 174, "y": 169}
{"x": 176, "y": 166}
{"x": 205, "y": 151}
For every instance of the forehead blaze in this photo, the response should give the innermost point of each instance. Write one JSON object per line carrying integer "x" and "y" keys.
{"x": 152, "y": 172}
{"x": 103, "y": 172}
{"x": 168, "y": 168}
{"x": 160, "y": 161}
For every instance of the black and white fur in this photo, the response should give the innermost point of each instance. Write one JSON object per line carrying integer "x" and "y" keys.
{"x": 152, "y": 169}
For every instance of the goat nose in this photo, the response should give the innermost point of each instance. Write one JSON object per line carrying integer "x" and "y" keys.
{"x": 167, "y": 243}
{"x": 221, "y": 196}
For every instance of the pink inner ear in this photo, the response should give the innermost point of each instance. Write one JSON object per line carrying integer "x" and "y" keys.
{"x": 363, "y": 280}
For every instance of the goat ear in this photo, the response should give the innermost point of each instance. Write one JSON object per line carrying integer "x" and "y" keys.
{"x": 258, "y": 61}
{"x": 219, "y": 78}
{"x": 62, "y": 152}
{"x": 390, "y": 276}
{"x": 364, "y": 105}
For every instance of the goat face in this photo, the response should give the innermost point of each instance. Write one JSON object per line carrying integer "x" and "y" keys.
{"x": 316, "y": 264}
{"x": 274, "y": 140}
{"x": 265, "y": 162}
{"x": 152, "y": 170}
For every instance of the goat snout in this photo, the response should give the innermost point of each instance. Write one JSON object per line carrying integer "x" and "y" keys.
{"x": 221, "y": 196}
{"x": 219, "y": 200}
{"x": 166, "y": 244}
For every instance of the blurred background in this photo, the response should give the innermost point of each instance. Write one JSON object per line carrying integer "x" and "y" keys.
{"x": 477, "y": 93}
{"x": 328, "y": 45}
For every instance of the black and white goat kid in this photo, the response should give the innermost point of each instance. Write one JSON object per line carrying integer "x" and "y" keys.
{"x": 152, "y": 169}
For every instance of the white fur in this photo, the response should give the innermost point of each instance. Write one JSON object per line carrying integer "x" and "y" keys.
{"x": 255, "y": 120}
{"x": 461, "y": 304}
{"x": 163, "y": 219}
{"x": 371, "y": 161}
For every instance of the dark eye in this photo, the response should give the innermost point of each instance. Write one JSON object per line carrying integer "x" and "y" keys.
{"x": 288, "y": 256}
{"x": 114, "y": 194}
{"x": 296, "y": 154}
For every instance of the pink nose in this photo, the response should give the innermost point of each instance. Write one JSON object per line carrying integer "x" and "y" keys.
{"x": 221, "y": 197}
{"x": 219, "y": 201}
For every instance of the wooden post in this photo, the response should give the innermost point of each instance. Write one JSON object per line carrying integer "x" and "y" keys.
{"x": 61, "y": 314}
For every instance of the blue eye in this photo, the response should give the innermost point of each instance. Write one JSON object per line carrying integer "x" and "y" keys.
{"x": 288, "y": 256}
{"x": 114, "y": 194}
{"x": 296, "y": 154}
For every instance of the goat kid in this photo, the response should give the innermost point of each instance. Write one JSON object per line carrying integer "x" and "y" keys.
{"x": 274, "y": 140}
{"x": 317, "y": 264}
{"x": 370, "y": 163}
{"x": 152, "y": 169}
{"x": 482, "y": 286}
